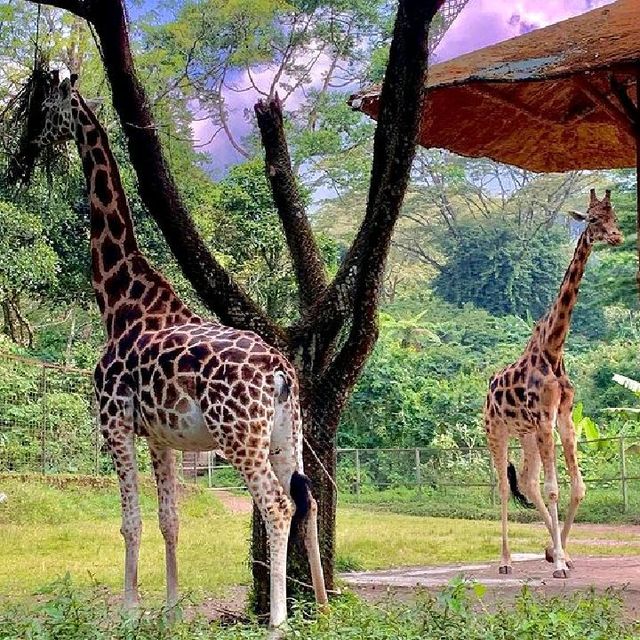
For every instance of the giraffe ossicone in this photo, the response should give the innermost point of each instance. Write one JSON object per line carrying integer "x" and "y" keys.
{"x": 530, "y": 397}
{"x": 181, "y": 381}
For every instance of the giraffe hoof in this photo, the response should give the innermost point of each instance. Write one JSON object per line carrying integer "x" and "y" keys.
{"x": 505, "y": 570}
{"x": 548, "y": 555}
{"x": 561, "y": 573}
{"x": 570, "y": 563}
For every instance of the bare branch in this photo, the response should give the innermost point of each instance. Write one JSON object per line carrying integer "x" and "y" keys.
{"x": 222, "y": 115}
{"x": 420, "y": 253}
{"x": 302, "y": 246}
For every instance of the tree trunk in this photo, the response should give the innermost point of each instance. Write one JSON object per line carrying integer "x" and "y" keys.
{"x": 320, "y": 429}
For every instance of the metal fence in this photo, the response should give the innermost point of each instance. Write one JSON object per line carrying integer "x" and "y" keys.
{"x": 47, "y": 419}
{"x": 48, "y": 425}
{"x": 609, "y": 465}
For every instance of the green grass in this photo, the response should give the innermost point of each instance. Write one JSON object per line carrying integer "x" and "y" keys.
{"x": 54, "y": 525}
{"x": 64, "y": 612}
{"x": 378, "y": 540}
{"x": 57, "y": 525}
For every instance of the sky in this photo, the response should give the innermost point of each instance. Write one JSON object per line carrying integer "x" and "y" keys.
{"x": 485, "y": 22}
{"x": 481, "y": 23}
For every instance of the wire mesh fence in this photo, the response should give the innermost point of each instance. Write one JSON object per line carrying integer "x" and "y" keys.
{"x": 610, "y": 469}
{"x": 47, "y": 419}
{"x": 48, "y": 425}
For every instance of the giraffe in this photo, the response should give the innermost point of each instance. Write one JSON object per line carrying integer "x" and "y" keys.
{"x": 527, "y": 398}
{"x": 180, "y": 381}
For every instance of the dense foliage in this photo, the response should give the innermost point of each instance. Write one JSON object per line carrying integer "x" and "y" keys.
{"x": 478, "y": 254}
{"x": 498, "y": 270}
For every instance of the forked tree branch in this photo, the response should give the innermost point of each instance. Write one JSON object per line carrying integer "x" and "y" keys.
{"x": 394, "y": 148}
{"x": 302, "y": 245}
{"x": 157, "y": 188}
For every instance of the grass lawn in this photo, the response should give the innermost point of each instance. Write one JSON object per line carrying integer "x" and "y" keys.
{"x": 58, "y": 525}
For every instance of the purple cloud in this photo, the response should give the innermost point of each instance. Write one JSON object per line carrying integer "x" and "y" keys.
{"x": 481, "y": 23}
{"x": 485, "y": 22}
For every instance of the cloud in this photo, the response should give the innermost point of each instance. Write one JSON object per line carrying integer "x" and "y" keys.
{"x": 485, "y": 22}
{"x": 240, "y": 96}
{"x": 481, "y": 23}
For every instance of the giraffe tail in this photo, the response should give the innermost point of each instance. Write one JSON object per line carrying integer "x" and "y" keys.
{"x": 518, "y": 496}
{"x": 299, "y": 485}
{"x": 300, "y": 491}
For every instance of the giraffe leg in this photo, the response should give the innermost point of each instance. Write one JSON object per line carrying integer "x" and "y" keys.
{"x": 531, "y": 485}
{"x": 276, "y": 511}
{"x": 119, "y": 435}
{"x": 546, "y": 446}
{"x": 498, "y": 443}
{"x": 287, "y": 463}
{"x": 164, "y": 468}
{"x": 531, "y": 477}
{"x": 570, "y": 450}
{"x": 284, "y": 465}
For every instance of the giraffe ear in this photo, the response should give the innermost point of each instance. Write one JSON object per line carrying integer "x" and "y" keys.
{"x": 578, "y": 215}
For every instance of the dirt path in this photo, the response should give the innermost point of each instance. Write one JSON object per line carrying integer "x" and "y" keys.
{"x": 621, "y": 572}
{"x": 529, "y": 569}
{"x": 235, "y": 503}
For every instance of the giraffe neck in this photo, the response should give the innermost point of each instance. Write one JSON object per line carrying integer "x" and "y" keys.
{"x": 555, "y": 326}
{"x": 126, "y": 286}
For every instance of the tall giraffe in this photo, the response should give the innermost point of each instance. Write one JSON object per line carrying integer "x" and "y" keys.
{"x": 180, "y": 381}
{"x": 528, "y": 397}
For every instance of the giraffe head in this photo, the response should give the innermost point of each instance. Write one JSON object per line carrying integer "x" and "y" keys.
{"x": 58, "y": 111}
{"x": 601, "y": 219}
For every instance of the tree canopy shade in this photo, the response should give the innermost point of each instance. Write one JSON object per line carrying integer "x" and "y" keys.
{"x": 335, "y": 332}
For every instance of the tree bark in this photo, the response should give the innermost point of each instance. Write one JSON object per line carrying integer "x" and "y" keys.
{"x": 286, "y": 195}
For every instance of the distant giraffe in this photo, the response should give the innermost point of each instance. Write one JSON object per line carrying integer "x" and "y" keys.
{"x": 526, "y": 399}
{"x": 180, "y": 381}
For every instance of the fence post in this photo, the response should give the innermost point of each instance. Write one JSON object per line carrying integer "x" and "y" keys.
{"x": 418, "y": 471}
{"x": 209, "y": 470}
{"x": 623, "y": 476}
{"x": 43, "y": 422}
{"x": 357, "y": 472}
